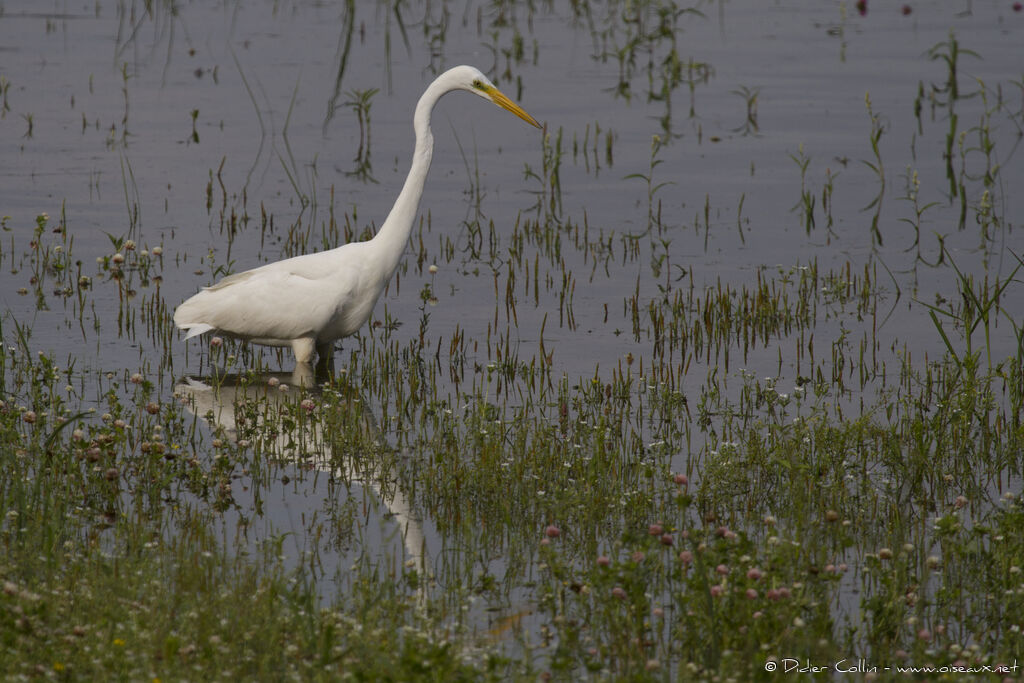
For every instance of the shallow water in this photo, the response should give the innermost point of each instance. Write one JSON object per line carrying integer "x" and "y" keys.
{"x": 110, "y": 95}
{"x": 98, "y": 123}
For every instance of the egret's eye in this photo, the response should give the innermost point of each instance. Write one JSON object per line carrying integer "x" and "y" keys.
{"x": 479, "y": 85}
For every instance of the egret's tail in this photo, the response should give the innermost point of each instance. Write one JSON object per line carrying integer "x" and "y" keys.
{"x": 185, "y": 318}
{"x": 196, "y": 329}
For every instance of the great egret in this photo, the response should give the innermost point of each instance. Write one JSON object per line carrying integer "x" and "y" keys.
{"x": 308, "y": 302}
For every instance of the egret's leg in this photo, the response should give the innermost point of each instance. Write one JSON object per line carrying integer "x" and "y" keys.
{"x": 302, "y": 375}
{"x": 325, "y": 359}
{"x": 304, "y": 349}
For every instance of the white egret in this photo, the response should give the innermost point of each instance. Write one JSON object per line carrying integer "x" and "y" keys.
{"x": 308, "y": 302}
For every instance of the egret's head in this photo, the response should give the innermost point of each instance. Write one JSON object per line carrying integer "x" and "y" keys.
{"x": 478, "y": 84}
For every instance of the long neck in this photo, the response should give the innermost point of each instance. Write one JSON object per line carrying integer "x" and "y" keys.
{"x": 394, "y": 233}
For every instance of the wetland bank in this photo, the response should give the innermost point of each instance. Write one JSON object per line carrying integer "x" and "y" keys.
{"x": 722, "y": 372}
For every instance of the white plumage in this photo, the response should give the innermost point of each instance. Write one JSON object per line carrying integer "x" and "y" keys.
{"x": 308, "y": 302}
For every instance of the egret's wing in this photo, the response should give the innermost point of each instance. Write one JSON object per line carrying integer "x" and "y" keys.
{"x": 232, "y": 280}
{"x": 310, "y": 266}
{"x": 267, "y": 302}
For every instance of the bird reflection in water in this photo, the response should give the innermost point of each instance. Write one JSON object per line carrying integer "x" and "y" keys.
{"x": 227, "y": 403}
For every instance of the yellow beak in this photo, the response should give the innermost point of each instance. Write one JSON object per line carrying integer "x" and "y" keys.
{"x": 504, "y": 102}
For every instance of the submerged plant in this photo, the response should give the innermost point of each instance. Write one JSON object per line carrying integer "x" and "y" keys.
{"x": 360, "y": 102}
{"x": 877, "y": 129}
